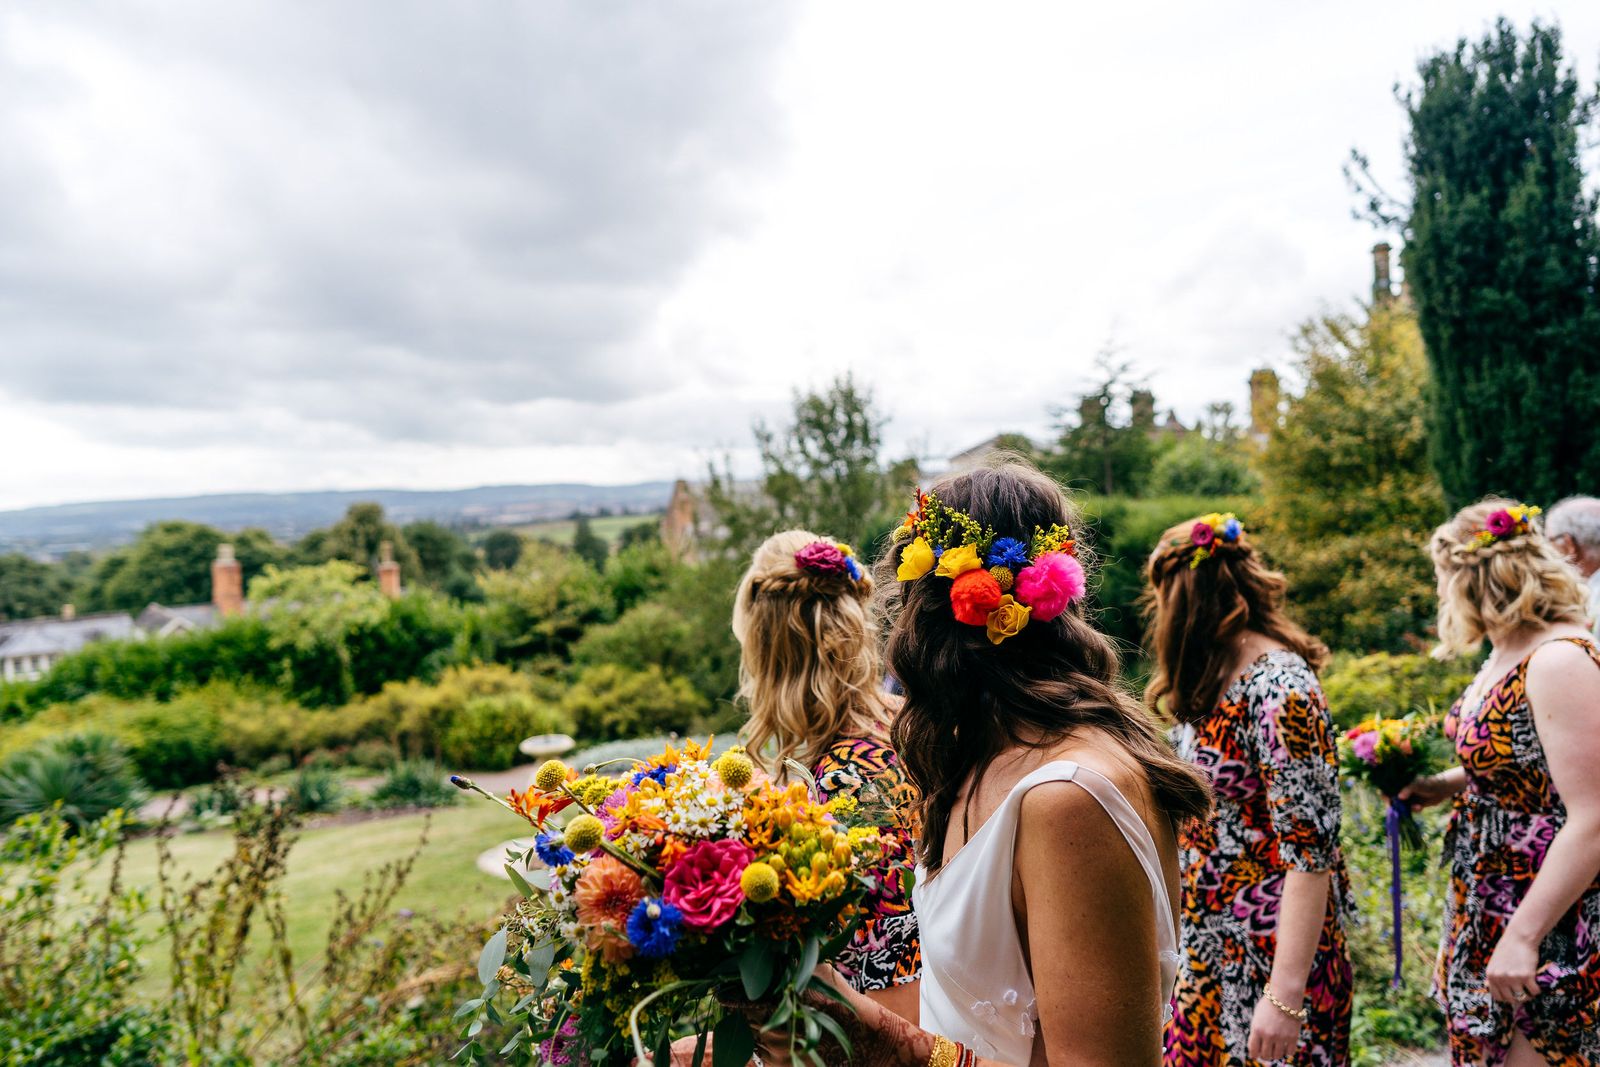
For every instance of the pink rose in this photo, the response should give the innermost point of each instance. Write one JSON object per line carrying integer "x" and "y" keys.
{"x": 820, "y": 557}
{"x": 1055, "y": 580}
{"x": 704, "y": 883}
{"x": 1365, "y": 747}
{"x": 1202, "y": 534}
{"x": 1500, "y": 523}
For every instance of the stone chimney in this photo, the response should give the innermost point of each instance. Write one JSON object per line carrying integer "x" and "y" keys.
{"x": 1266, "y": 394}
{"x": 68, "y": 612}
{"x": 1143, "y": 404}
{"x": 388, "y": 571}
{"x": 1382, "y": 286}
{"x": 227, "y": 583}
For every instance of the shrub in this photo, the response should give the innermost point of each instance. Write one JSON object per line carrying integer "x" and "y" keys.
{"x": 646, "y": 635}
{"x": 417, "y": 717}
{"x": 175, "y": 744}
{"x": 414, "y": 784}
{"x": 1196, "y": 466}
{"x": 83, "y": 776}
{"x": 608, "y": 702}
{"x": 374, "y": 755}
{"x": 1383, "y": 684}
{"x": 315, "y": 789}
{"x": 543, "y": 604}
{"x": 484, "y": 733}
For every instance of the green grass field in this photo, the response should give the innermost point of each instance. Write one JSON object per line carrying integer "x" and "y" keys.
{"x": 445, "y": 883}
{"x": 607, "y": 527}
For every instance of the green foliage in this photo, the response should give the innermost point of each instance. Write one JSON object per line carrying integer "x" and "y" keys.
{"x": 81, "y": 777}
{"x": 1502, "y": 255}
{"x": 315, "y": 789}
{"x": 609, "y": 702}
{"x": 821, "y": 472}
{"x": 1389, "y": 686}
{"x": 29, "y": 588}
{"x": 358, "y": 539}
{"x": 1202, "y": 467}
{"x": 586, "y": 544}
{"x": 1105, "y": 445}
{"x": 170, "y": 563}
{"x": 543, "y": 604}
{"x": 1351, "y": 498}
{"x": 650, "y": 634}
{"x": 639, "y": 571}
{"x": 414, "y": 784}
{"x": 471, "y": 714}
{"x": 448, "y": 563}
{"x": 69, "y": 958}
{"x": 501, "y": 549}
{"x": 484, "y": 733}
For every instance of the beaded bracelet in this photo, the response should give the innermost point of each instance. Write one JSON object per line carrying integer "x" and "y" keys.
{"x": 1300, "y": 1014}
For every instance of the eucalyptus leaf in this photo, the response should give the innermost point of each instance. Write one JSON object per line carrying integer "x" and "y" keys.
{"x": 493, "y": 955}
{"x": 808, "y": 963}
{"x": 520, "y": 882}
{"x": 755, "y": 969}
{"x": 732, "y": 1042}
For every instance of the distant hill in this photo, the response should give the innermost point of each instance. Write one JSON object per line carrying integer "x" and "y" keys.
{"x": 66, "y": 527}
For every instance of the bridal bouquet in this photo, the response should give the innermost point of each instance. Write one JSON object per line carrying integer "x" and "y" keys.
{"x": 681, "y": 880}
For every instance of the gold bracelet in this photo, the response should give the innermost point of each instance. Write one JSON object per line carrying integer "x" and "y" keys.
{"x": 946, "y": 1053}
{"x": 1302, "y": 1015}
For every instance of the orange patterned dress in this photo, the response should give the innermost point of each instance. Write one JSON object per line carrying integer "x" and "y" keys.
{"x": 1269, "y": 751}
{"x": 1500, "y": 830}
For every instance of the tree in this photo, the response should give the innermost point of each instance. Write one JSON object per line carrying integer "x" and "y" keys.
{"x": 447, "y": 561}
{"x": 501, "y": 549}
{"x": 357, "y": 538}
{"x": 1105, "y": 445}
{"x": 640, "y": 533}
{"x": 589, "y": 545}
{"x": 1201, "y": 466}
{"x": 821, "y": 472}
{"x": 170, "y": 563}
{"x": 313, "y": 613}
{"x": 29, "y": 588}
{"x": 1350, "y": 495}
{"x": 543, "y": 604}
{"x": 1502, "y": 255}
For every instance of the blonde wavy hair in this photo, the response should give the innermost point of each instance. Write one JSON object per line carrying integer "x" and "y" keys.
{"x": 809, "y": 670}
{"x": 1491, "y": 590}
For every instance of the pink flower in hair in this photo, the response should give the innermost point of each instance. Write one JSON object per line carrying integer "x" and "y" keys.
{"x": 821, "y": 557}
{"x": 1500, "y": 523}
{"x": 1054, "y": 581}
{"x": 1202, "y": 534}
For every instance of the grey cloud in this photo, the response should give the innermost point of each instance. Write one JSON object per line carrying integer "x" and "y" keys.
{"x": 393, "y": 217}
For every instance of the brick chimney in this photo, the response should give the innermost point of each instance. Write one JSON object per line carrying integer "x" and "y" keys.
{"x": 388, "y": 571}
{"x": 227, "y": 583}
{"x": 1382, "y": 287}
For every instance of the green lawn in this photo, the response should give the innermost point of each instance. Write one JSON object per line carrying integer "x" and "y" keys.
{"x": 445, "y": 882}
{"x": 607, "y": 527}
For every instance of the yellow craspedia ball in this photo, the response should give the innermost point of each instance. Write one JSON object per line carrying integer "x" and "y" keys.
{"x": 735, "y": 768}
{"x": 759, "y": 882}
{"x": 584, "y": 834}
{"x": 551, "y": 775}
{"x": 1003, "y": 577}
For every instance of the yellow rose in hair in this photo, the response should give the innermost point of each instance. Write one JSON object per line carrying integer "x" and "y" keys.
{"x": 959, "y": 560}
{"x": 1008, "y": 619}
{"x": 915, "y": 561}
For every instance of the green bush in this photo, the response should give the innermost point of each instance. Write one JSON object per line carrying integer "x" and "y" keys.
{"x": 83, "y": 776}
{"x": 609, "y": 702}
{"x": 414, "y": 784}
{"x": 175, "y": 744}
{"x": 649, "y": 634}
{"x": 1388, "y": 685}
{"x": 315, "y": 789}
{"x": 1195, "y": 466}
{"x": 418, "y": 717}
{"x": 374, "y": 755}
{"x": 485, "y": 732}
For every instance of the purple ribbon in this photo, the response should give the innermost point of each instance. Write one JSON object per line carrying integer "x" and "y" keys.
{"x": 1391, "y": 828}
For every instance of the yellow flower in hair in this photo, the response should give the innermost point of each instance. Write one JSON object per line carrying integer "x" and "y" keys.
{"x": 844, "y": 549}
{"x": 959, "y": 560}
{"x": 1008, "y": 619}
{"x": 915, "y": 561}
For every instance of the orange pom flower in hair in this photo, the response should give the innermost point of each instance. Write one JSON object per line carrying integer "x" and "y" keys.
{"x": 973, "y": 596}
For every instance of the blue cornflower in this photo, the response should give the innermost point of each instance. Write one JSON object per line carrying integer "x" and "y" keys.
{"x": 853, "y": 567}
{"x": 1007, "y": 552}
{"x": 1231, "y": 530}
{"x": 655, "y": 774}
{"x": 654, "y": 928}
{"x": 552, "y": 853}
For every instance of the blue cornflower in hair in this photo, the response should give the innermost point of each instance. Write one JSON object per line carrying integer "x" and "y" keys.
{"x": 655, "y": 774}
{"x": 552, "y": 853}
{"x": 1231, "y": 530}
{"x": 654, "y": 928}
{"x": 853, "y": 567}
{"x": 1007, "y": 552}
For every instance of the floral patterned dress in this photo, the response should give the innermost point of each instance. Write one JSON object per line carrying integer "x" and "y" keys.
{"x": 1500, "y": 830}
{"x": 1269, "y": 750}
{"x": 885, "y": 950}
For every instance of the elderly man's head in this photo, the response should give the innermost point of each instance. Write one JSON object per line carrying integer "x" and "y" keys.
{"x": 1573, "y": 526}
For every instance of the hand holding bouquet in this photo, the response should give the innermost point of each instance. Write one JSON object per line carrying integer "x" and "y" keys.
{"x": 683, "y": 880}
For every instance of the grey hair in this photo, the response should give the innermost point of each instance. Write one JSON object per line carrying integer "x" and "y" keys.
{"x": 1577, "y": 517}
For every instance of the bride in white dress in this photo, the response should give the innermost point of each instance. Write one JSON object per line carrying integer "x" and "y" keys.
{"x": 1048, "y": 872}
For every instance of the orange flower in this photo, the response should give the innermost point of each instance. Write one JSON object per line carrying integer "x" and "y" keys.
{"x": 606, "y": 894}
{"x": 672, "y": 849}
{"x": 535, "y": 806}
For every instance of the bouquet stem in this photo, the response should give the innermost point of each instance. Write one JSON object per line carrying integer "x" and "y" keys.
{"x": 1399, "y": 811}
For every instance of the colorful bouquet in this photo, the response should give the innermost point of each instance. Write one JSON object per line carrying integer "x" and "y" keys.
{"x": 682, "y": 883}
{"x": 1389, "y": 754}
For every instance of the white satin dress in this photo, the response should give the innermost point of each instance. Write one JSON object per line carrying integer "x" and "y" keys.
{"x": 975, "y": 983}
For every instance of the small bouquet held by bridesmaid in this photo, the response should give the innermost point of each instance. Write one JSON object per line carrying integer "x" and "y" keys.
{"x": 682, "y": 883}
{"x": 1388, "y": 755}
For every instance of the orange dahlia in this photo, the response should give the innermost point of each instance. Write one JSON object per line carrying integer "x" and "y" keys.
{"x": 606, "y": 894}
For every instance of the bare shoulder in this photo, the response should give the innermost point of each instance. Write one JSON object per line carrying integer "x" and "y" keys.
{"x": 1561, "y": 663}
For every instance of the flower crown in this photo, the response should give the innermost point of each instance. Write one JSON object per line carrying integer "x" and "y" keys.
{"x": 828, "y": 558}
{"x": 999, "y": 583}
{"x": 1207, "y": 531}
{"x": 1506, "y": 523}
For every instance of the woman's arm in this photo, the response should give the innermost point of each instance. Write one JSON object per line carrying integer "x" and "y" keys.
{"x": 1564, "y": 693}
{"x": 1435, "y": 788}
{"x": 1274, "y": 1033}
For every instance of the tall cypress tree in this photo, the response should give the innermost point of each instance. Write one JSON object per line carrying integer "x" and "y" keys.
{"x": 1501, "y": 256}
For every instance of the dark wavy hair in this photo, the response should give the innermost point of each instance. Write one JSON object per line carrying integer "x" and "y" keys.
{"x": 967, "y": 700}
{"x": 1195, "y": 615}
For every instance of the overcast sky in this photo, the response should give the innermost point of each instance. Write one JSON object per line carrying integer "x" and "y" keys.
{"x": 293, "y": 245}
